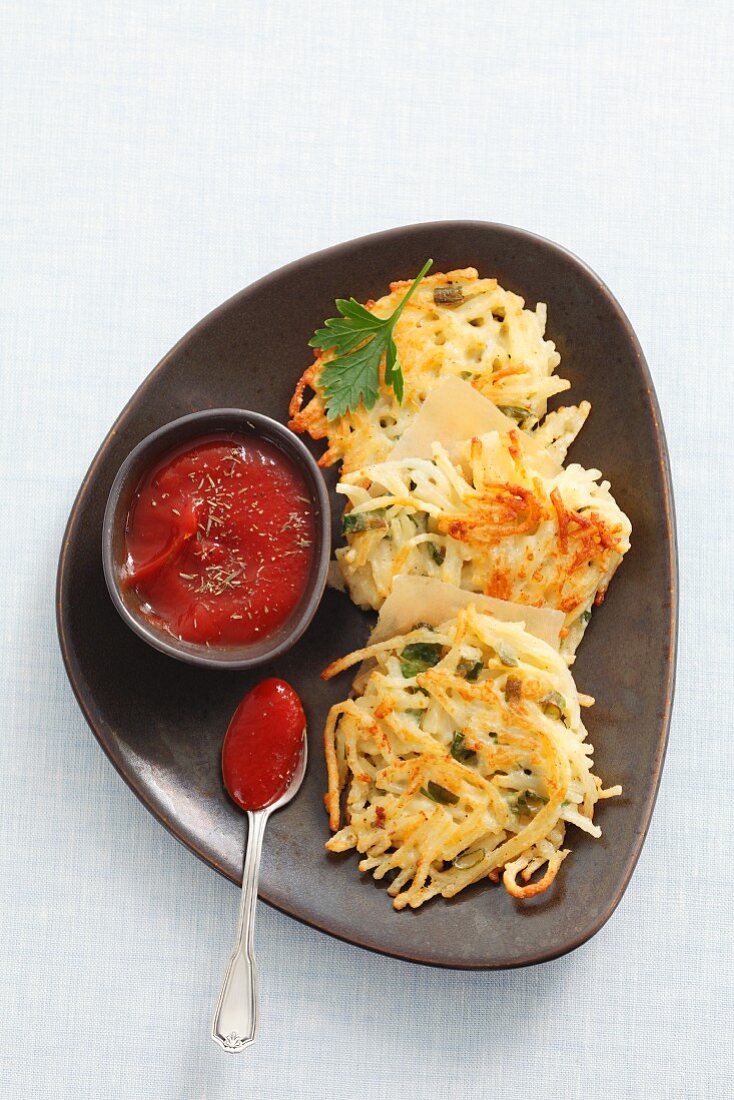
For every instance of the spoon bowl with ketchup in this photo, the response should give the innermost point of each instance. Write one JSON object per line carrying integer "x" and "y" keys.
{"x": 216, "y": 539}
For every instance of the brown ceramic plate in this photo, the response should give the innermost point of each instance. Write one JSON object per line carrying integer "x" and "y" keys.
{"x": 161, "y": 722}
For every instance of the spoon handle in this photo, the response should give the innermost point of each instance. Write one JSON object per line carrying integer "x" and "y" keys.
{"x": 235, "y": 1019}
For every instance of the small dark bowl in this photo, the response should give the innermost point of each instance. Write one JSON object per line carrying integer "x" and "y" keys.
{"x": 149, "y": 451}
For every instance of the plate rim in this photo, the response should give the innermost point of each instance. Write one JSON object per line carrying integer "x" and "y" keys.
{"x": 85, "y": 702}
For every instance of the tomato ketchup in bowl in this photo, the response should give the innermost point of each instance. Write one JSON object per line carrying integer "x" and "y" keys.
{"x": 216, "y": 538}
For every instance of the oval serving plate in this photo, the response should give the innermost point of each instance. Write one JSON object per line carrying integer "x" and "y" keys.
{"x": 162, "y": 722}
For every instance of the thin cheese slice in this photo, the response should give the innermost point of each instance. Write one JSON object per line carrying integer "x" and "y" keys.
{"x": 455, "y": 411}
{"x": 428, "y": 600}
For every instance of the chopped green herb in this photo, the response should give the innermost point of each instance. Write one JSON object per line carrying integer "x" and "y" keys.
{"x": 353, "y": 522}
{"x": 448, "y": 295}
{"x": 554, "y": 705}
{"x": 523, "y": 806}
{"x": 359, "y": 340}
{"x": 438, "y": 553}
{"x": 460, "y": 752}
{"x": 515, "y": 412}
{"x": 465, "y": 860}
{"x": 437, "y": 793}
{"x": 469, "y": 669}
{"x": 585, "y": 616}
{"x": 418, "y": 656}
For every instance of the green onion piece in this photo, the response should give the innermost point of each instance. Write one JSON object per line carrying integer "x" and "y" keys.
{"x": 465, "y": 860}
{"x": 448, "y": 295}
{"x": 437, "y": 793}
{"x": 522, "y": 805}
{"x": 506, "y": 655}
{"x": 363, "y": 521}
{"x": 469, "y": 669}
{"x": 585, "y": 616}
{"x": 515, "y": 412}
{"x": 460, "y": 752}
{"x": 554, "y": 705}
{"x": 351, "y": 524}
{"x": 418, "y": 656}
{"x": 438, "y": 553}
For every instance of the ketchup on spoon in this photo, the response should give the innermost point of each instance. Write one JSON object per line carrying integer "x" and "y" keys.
{"x": 263, "y": 745}
{"x": 263, "y": 764}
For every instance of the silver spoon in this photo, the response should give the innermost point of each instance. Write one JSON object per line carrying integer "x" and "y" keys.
{"x": 236, "y": 1016}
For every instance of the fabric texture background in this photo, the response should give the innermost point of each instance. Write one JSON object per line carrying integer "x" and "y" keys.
{"x": 156, "y": 158}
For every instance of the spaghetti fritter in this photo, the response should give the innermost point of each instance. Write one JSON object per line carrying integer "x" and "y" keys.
{"x": 463, "y": 756}
{"x": 456, "y": 324}
{"x": 487, "y": 521}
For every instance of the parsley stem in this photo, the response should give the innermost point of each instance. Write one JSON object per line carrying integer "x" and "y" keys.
{"x": 419, "y": 278}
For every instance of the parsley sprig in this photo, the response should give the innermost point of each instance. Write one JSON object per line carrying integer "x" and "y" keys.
{"x": 359, "y": 340}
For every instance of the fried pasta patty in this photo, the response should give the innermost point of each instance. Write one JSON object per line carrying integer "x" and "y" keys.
{"x": 487, "y": 521}
{"x": 478, "y": 332}
{"x": 463, "y": 757}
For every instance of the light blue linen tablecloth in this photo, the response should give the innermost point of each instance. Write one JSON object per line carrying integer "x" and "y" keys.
{"x": 156, "y": 158}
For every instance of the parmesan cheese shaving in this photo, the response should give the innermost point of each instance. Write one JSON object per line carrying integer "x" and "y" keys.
{"x": 438, "y": 602}
{"x": 454, "y": 412}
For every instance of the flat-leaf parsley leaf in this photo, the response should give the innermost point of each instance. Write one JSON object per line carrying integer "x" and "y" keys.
{"x": 359, "y": 340}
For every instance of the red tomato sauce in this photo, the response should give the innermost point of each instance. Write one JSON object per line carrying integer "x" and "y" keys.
{"x": 263, "y": 745}
{"x": 219, "y": 540}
